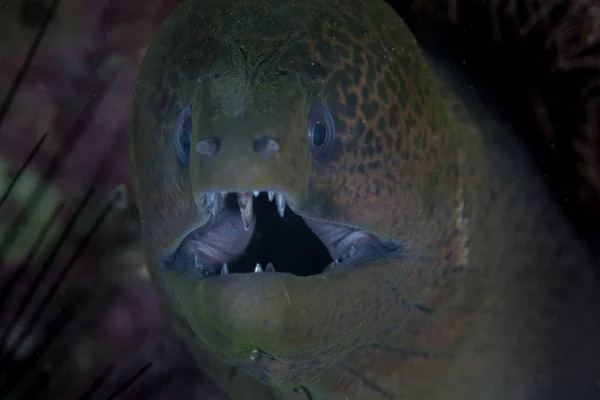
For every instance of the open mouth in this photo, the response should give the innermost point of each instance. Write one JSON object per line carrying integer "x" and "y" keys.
{"x": 258, "y": 232}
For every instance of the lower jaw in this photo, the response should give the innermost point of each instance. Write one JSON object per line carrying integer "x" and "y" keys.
{"x": 239, "y": 313}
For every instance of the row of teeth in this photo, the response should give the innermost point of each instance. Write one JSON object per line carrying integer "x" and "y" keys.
{"x": 215, "y": 203}
{"x": 342, "y": 258}
{"x": 257, "y": 270}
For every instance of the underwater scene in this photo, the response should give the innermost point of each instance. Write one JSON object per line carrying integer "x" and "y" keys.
{"x": 300, "y": 199}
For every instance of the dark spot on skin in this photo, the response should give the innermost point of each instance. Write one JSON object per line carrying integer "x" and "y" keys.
{"x": 381, "y": 126}
{"x": 382, "y": 90}
{"x": 353, "y": 74}
{"x": 378, "y": 146}
{"x": 318, "y": 69}
{"x": 367, "y": 151}
{"x": 377, "y": 188}
{"x": 373, "y": 165}
{"x": 390, "y": 176}
{"x": 361, "y": 168}
{"x": 342, "y": 37}
{"x": 379, "y": 67}
{"x": 394, "y": 112}
{"x": 370, "y": 110}
{"x": 351, "y": 101}
{"x": 421, "y": 307}
{"x": 420, "y": 93}
{"x": 409, "y": 123}
{"x": 365, "y": 92}
{"x": 389, "y": 139}
{"x": 390, "y": 83}
{"x": 340, "y": 125}
{"x": 360, "y": 127}
{"x": 368, "y": 137}
{"x": 371, "y": 69}
{"x": 418, "y": 110}
{"x": 403, "y": 95}
{"x": 336, "y": 153}
{"x": 341, "y": 51}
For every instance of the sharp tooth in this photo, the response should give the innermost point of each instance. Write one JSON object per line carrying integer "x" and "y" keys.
{"x": 270, "y": 268}
{"x": 256, "y": 193}
{"x": 351, "y": 252}
{"x": 218, "y": 205}
{"x": 224, "y": 269}
{"x": 280, "y": 201}
{"x": 211, "y": 197}
{"x": 245, "y": 203}
{"x": 258, "y": 269}
{"x": 223, "y": 195}
{"x": 271, "y": 195}
{"x": 214, "y": 202}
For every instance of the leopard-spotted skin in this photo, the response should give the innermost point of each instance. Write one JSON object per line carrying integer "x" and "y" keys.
{"x": 459, "y": 311}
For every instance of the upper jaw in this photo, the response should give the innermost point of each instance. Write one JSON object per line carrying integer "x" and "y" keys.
{"x": 208, "y": 249}
{"x": 214, "y": 202}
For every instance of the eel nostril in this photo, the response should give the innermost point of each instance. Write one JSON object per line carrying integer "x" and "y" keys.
{"x": 265, "y": 145}
{"x": 209, "y": 146}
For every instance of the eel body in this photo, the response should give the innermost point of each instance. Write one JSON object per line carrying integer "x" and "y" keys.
{"x": 451, "y": 273}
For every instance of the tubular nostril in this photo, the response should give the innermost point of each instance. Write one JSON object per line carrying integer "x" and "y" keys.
{"x": 209, "y": 146}
{"x": 265, "y": 145}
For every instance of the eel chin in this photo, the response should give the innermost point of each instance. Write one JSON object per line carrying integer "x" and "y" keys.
{"x": 258, "y": 232}
{"x": 273, "y": 292}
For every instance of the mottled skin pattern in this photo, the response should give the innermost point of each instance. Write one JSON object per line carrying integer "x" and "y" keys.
{"x": 490, "y": 295}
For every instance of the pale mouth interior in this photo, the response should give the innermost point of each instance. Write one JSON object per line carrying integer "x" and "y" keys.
{"x": 257, "y": 232}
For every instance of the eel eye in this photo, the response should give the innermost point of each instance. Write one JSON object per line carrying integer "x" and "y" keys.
{"x": 182, "y": 135}
{"x": 321, "y": 131}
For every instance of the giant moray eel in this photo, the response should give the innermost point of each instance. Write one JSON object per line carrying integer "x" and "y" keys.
{"x": 451, "y": 273}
